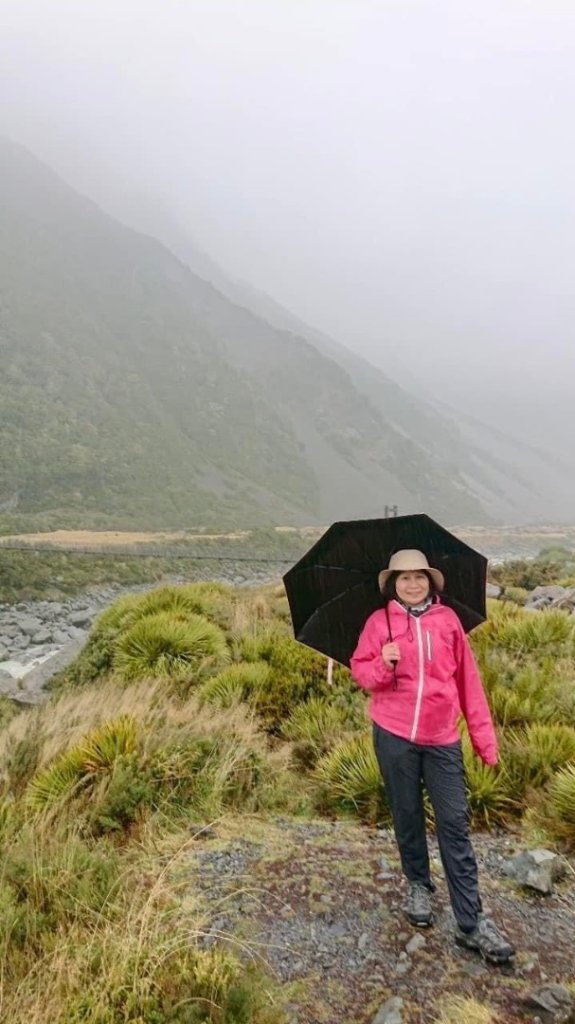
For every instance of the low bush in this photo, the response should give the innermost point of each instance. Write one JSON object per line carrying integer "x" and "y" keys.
{"x": 348, "y": 779}
{"x": 163, "y": 645}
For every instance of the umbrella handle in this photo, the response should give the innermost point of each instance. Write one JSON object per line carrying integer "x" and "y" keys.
{"x": 389, "y": 636}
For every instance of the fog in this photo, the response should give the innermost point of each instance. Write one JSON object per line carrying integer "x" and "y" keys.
{"x": 398, "y": 172}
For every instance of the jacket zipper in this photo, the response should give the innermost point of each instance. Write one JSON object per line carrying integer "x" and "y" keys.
{"x": 421, "y": 679}
{"x": 429, "y": 648}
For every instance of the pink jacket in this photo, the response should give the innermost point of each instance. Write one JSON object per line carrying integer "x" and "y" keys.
{"x": 437, "y": 679}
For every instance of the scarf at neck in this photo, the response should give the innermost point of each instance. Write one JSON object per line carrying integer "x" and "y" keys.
{"x": 416, "y": 609}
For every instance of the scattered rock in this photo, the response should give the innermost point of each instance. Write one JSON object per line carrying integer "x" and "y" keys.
{"x": 203, "y": 832}
{"x": 493, "y": 590}
{"x": 536, "y": 869}
{"x": 76, "y": 633}
{"x": 29, "y": 625}
{"x": 475, "y": 969}
{"x": 83, "y": 617}
{"x": 553, "y": 1003}
{"x": 8, "y": 684}
{"x": 415, "y": 944}
{"x": 390, "y": 1012}
{"x": 43, "y": 636}
{"x": 552, "y": 596}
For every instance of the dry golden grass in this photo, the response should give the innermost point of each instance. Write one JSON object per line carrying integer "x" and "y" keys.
{"x": 112, "y": 538}
{"x": 62, "y": 723}
{"x": 463, "y": 1010}
{"x": 153, "y": 918}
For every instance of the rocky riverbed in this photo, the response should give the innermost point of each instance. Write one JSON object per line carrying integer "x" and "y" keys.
{"x": 39, "y": 638}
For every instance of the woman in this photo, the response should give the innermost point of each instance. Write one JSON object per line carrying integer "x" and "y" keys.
{"x": 414, "y": 658}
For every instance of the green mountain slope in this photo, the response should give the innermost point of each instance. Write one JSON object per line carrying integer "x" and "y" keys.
{"x": 517, "y": 482}
{"x": 114, "y": 396}
{"x": 133, "y": 391}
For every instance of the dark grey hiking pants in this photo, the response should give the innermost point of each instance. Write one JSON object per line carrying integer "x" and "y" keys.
{"x": 406, "y": 768}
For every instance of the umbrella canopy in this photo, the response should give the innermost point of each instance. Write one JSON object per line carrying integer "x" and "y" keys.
{"x": 334, "y": 587}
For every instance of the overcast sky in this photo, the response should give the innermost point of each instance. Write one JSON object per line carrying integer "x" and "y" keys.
{"x": 398, "y": 172}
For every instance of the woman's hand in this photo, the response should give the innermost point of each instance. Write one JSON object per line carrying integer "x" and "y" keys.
{"x": 390, "y": 654}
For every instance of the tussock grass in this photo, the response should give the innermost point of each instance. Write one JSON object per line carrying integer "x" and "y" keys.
{"x": 190, "y": 703}
{"x": 348, "y": 778}
{"x": 100, "y": 939}
{"x": 464, "y": 1010}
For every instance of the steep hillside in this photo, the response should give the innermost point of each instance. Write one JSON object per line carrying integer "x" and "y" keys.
{"x": 516, "y": 481}
{"x": 132, "y": 390}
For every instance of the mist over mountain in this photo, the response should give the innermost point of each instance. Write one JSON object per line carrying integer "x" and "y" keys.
{"x": 133, "y": 390}
{"x": 522, "y": 469}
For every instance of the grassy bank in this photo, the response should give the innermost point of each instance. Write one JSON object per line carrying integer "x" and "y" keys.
{"x": 188, "y": 704}
{"x": 50, "y": 569}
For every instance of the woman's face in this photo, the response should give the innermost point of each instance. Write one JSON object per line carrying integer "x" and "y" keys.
{"x": 412, "y": 586}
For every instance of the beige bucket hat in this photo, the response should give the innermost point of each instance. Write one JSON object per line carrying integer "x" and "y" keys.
{"x": 410, "y": 560}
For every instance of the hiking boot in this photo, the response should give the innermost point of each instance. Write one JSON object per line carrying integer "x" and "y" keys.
{"x": 417, "y": 906}
{"x": 487, "y": 940}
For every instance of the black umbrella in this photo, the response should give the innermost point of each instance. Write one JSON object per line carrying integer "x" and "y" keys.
{"x": 334, "y": 587}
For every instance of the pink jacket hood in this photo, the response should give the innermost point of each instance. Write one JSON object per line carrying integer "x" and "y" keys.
{"x": 436, "y": 678}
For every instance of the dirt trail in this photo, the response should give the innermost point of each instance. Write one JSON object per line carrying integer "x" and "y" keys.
{"x": 321, "y": 903}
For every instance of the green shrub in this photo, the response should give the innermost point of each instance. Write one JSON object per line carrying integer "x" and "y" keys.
{"x": 526, "y": 634}
{"x": 206, "y": 776}
{"x": 58, "y": 782}
{"x": 531, "y": 756}
{"x": 175, "y": 986}
{"x": 211, "y": 600}
{"x": 240, "y": 682}
{"x": 511, "y": 708}
{"x": 555, "y": 808}
{"x": 522, "y": 690}
{"x": 518, "y": 595}
{"x": 102, "y": 747}
{"x": 487, "y": 793}
{"x": 258, "y": 644}
{"x": 316, "y": 726}
{"x": 180, "y": 604}
{"x": 296, "y": 674}
{"x": 81, "y": 766}
{"x": 53, "y": 879}
{"x": 162, "y": 645}
{"x": 530, "y": 573}
{"x": 349, "y": 779}
{"x": 121, "y": 796}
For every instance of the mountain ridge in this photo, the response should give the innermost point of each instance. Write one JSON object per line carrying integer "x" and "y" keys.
{"x": 133, "y": 390}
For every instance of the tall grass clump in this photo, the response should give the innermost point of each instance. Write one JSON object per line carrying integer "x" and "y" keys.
{"x": 554, "y": 808}
{"x": 531, "y": 755}
{"x": 348, "y": 780}
{"x": 236, "y": 683}
{"x": 166, "y": 757}
{"x": 487, "y": 791}
{"x": 145, "y": 634}
{"x": 90, "y": 934}
{"x": 527, "y": 662}
{"x": 160, "y": 645}
{"x": 455, "y": 1009}
{"x": 315, "y": 726}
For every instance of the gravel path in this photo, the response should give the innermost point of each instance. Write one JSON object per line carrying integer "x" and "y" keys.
{"x": 320, "y": 902}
